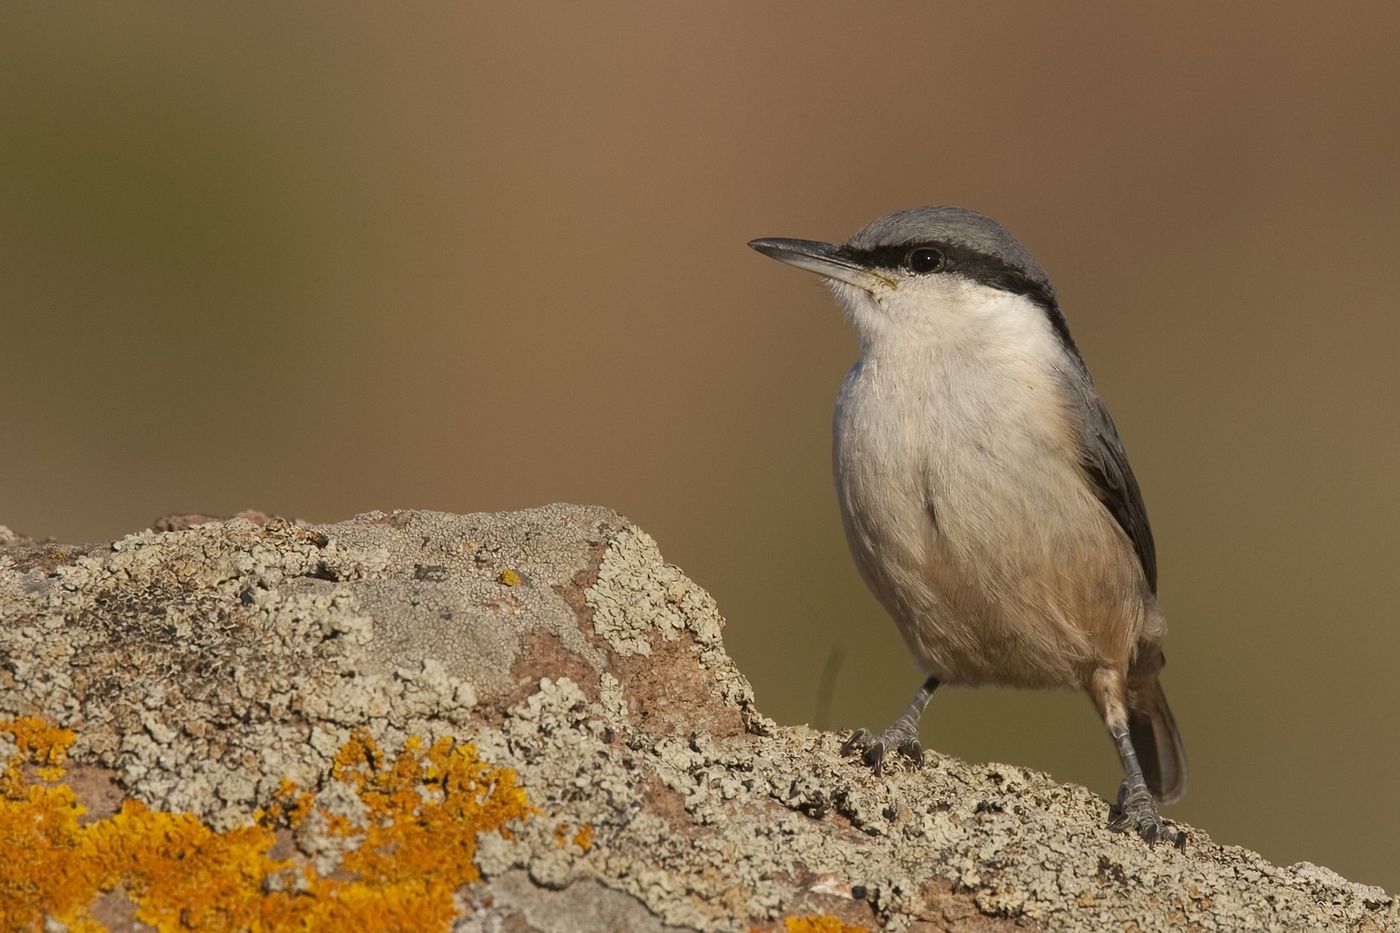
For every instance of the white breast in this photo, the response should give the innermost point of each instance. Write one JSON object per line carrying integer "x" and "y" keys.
{"x": 963, "y": 501}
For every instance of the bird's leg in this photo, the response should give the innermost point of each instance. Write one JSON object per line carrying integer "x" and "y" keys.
{"x": 901, "y": 736}
{"x": 1135, "y": 810}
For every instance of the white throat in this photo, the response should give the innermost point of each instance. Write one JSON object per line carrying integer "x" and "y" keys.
{"x": 957, "y": 321}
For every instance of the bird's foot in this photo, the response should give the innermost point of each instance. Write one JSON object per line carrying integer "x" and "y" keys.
{"x": 1136, "y": 811}
{"x": 899, "y": 737}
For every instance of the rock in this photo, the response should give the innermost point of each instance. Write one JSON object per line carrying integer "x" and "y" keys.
{"x": 257, "y": 683}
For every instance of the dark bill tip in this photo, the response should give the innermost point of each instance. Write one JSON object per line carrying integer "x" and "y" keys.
{"x": 786, "y": 249}
{"x": 832, "y": 262}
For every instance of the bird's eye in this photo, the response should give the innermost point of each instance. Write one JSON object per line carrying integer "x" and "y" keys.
{"x": 925, "y": 259}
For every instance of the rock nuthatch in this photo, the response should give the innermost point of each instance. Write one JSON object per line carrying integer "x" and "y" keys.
{"x": 984, "y": 491}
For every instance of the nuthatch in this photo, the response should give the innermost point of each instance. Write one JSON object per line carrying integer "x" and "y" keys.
{"x": 984, "y": 491}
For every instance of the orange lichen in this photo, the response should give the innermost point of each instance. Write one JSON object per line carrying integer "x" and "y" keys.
{"x": 583, "y": 838}
{"x": 290, "y": 806}
{"x": 40, "y": 865}
{"x": 423, "y": 812}
{"x": 820, "y": 924}
{"x": 40, "y": 743}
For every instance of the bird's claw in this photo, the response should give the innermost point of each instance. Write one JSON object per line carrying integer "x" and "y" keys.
{"x": 873, "y": 749}
{"x": 1136, "y": 811}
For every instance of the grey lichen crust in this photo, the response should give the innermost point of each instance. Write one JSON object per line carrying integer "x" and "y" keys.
{"x": 203, "y": 665}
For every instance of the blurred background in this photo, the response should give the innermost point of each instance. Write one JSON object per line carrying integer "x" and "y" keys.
{"x": 330, "y": 258}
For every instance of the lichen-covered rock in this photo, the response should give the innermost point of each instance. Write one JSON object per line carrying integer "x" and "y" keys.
{"x": 335, "y": 688}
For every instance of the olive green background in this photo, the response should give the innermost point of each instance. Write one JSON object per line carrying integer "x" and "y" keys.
{"x": 332, "y": 258}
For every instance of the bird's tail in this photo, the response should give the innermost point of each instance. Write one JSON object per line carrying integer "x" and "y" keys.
{"x": 1156, "y": 741}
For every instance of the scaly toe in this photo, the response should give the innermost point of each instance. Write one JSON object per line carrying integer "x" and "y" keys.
{"x": 875, "y": 757}
{"x": 860, "y": 741}
{"x": 1139, "y": 814}
{"x": 874, "y": 750}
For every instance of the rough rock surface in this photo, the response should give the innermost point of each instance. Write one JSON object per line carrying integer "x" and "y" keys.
{"x": 205, "y": 663}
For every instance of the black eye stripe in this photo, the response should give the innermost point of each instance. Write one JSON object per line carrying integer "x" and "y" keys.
{"x": 982, "y": 268}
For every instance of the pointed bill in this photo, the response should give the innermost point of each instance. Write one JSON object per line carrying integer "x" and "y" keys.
{"x": 826, "y": 260}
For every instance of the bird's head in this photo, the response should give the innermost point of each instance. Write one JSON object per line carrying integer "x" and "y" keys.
{"x": 928, "y": 274}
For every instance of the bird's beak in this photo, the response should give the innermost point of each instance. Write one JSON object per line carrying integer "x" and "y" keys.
{"x": 826, "y": 260}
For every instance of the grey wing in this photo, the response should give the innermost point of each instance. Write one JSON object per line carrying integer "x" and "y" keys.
{"x": 1106, "y": 466}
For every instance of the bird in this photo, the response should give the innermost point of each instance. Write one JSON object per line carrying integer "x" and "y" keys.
{"x": 984, "y": 491}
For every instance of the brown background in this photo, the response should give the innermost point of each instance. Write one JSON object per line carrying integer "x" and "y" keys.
{"x": 475, "y": 257}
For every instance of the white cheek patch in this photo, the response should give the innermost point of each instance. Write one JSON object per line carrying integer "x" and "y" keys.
{"x": 851, "y": 298}
{"x": 952, "y": 308}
